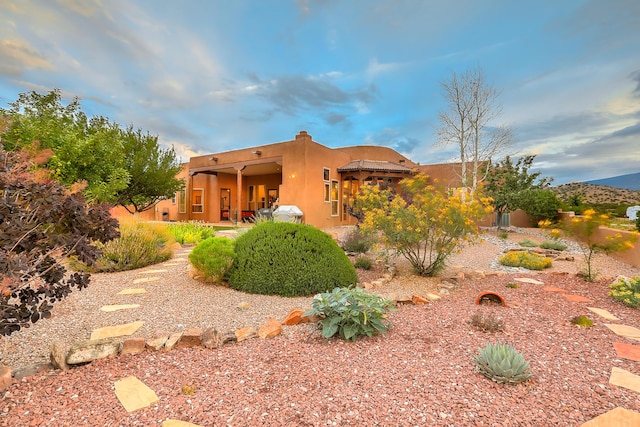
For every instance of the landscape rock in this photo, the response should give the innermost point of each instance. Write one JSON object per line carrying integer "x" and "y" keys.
{"x": 270, "y": 329}
{"x": 244, "y": 306}
{"x": 294, "y": 317}
{"x": 190, "y": 338}
{"x": 133, "y": 346}
{"x": 157, "y": 344}
{"x": 245, "y": 334}
{"x": 58, "y": 355}
{"x": 173, "y": 340}
{"x": 229, "y": 337}
{"x": 211, "y": 338}
{"x": 417, "y": 299}
{"x": 5, "y": 378}
{"x": 27, "y": 371}
{"x": 88, "y": 351}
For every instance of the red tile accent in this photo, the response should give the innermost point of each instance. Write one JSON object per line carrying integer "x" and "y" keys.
{"x": 491, "y": 296}
{"x": 576, "y": 298}
{"x": 627, "y": 351}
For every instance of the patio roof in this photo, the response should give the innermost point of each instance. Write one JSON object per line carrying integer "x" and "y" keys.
{"x": 373, "y": 166}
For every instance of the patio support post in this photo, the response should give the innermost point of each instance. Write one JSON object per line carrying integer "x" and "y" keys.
{"x": 239, "y": 195}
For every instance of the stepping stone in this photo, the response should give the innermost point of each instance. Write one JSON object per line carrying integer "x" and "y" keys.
{"x": 552, "y": 289}
{"x": 624, "y": 331}
{"x": 152, "y": 271}
{"x": 627, "y": 351}
{"x": 134, "y": 395}
{"x": 618, "y": 417}
{"x": 116, "y": 331}
{"x": 132, "y": 291}
{"x": 145, "y": 280}
{"x": 603, "y": 313}
{"x": 576, "y": 298}
{"x": 625, "y": 379}
{"x": 176, "y": 423}
{"x": 110, "y": 308}
{"x": 528, "y": 280}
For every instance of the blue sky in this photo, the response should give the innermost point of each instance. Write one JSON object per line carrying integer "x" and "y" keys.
{"x": 211, "y": 76}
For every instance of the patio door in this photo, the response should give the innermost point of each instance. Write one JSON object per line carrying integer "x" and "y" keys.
{"x": 225, "y": 204}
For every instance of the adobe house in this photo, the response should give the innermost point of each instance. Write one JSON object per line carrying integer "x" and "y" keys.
{"x": 320, "y": 181}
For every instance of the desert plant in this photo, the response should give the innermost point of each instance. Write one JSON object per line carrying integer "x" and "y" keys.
{"x": 488, "y": 323}
{"x": 350, "y": 313}
{"x": 528, "y": 243}
{"x": 140, "y": 244}
{"x": 422, "y": 223}
{"x": 503, "y": 235}
{"x": 582, "y": 321}
{"x": 525, "y": 259}
{"x": 627, "y": 291}
{"x": 363, "y": 263}
{"x": 357, "y": 241}
{"x": 551, "y": 244}
{"x": 213, "y": 257}
{"x": 288, "y": 259}
{"x": 502, "y": 363}
{"x": 512, "y": 286}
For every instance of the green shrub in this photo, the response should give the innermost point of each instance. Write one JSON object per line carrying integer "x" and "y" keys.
{"x": 638, "y": 222}
{"x": 512, "y": 285}
{"x": 626, "y": 291}
{"x": 192, "y": 232}
{"x": 363, "y": 263}
{"x": 288, "y": 259}
{"x": 582, "y": 321}
{"x": 140, "y": 244}
{"x": 351, "y": 312}
{"x": 525, "y": 259}
{"x": 502, "y": 363}
{"x": 550, "y": 244}
{"x": 503, "y": 235}
{"x": 213, "y": 257}
{"x": 358, "y": 242}
{"x": 528, "y": 243}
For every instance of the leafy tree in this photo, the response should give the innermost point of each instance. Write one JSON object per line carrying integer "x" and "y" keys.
{"x": 41, "y": 222}
{"x": 468, "y": 123}
{"x": 119, "y": 166}
{"x": 152, "y": 171}
{"x": 506, "y": 183}
{"x": 423, "y": 223}
{"x": 539, "y": 204}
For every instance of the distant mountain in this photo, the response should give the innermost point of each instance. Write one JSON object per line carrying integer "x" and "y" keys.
{"x": 628, "y": 182}
{"x": 597, "y": 194}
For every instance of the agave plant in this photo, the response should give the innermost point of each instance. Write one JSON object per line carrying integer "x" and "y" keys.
{"x": 502, "y": 363}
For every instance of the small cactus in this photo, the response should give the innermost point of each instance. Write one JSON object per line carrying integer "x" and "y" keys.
{"x": 502, "y": 363}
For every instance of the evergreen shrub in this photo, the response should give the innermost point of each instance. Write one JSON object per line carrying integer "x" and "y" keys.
{"x": 213, "y": 257}
{"x": 288, "y": 259}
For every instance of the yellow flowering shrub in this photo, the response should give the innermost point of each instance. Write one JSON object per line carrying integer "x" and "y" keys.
{"x": 626, "y": 291}
{"x": 422, "y": 223}
{"x": 584, "y": 228}
{"x": 525, "y": 259}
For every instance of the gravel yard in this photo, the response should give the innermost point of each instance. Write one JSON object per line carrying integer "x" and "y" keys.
{"x": 420, "y": 373}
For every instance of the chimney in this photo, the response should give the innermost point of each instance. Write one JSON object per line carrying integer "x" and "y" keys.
{"x": 303, "y": 134}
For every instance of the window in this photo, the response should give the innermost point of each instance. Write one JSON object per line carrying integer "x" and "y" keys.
{"x": 334, "y": 198}
{"x": 197, "y": 200}
{"x": 327, "y": 192}
{"x": 325, "y": 174}
{"x": 256, "y": 199}
{"x": 174, "y": 199}
{"x": 182, "y": 200}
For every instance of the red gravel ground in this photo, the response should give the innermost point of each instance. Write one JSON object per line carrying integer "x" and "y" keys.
{"x": 420, "y": 373}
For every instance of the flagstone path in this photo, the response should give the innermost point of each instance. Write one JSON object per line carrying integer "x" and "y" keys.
{"x": 135, "y": 395}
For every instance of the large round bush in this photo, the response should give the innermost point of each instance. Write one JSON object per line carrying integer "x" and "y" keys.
{"x": 280, "y": 258}
{"x": 213, "y": 257}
